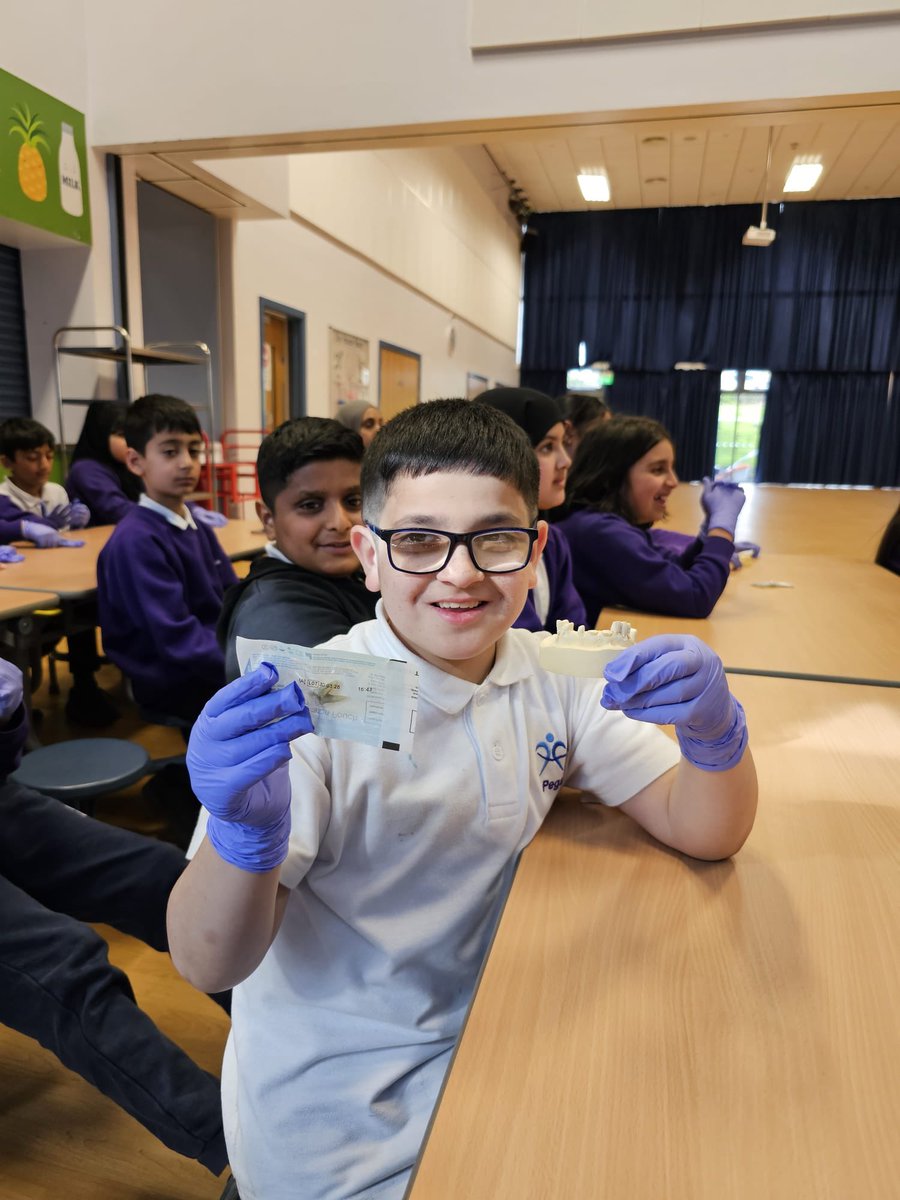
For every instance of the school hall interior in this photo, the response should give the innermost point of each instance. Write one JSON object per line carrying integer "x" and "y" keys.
{"x": 318, "y": 204}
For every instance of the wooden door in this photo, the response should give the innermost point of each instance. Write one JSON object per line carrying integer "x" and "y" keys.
{"x": 276, "y": 369}
{"x": 398, "y": 380}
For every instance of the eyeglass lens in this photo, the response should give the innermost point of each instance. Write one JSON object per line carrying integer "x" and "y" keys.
{"x": 421, "y": 551}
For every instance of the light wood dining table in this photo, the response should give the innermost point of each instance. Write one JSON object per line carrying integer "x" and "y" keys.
{"x": 838, "y": 522}
{"x": 839, "y": 619}
{"x": 651, "y": 1027}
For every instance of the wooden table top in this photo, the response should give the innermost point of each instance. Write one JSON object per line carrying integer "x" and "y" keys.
{"x": 649, "y": 1027}
{"x": 840, "y": 619}
{"x": 72, "y": 572}
{"x": 797, "y": 520}
{"x": 17, "y": 602}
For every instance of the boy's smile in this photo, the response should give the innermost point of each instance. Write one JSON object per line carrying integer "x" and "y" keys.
{"x": 454, "y": 617}
{"x": 169, "y": 467}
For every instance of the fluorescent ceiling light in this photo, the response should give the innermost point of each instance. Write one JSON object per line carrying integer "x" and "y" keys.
{"x": 803, "y": 175}
{"x": 594, "y": 187}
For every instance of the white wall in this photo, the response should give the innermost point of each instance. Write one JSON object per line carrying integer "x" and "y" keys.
{"x": 421, "y": 216}
{"x": 170, "y": 71}
{"x": 292, "y": 265}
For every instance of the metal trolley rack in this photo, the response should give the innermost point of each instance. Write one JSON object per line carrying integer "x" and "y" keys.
{"x": 121, "y": 350}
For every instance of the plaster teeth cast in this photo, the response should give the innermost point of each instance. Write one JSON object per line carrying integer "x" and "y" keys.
{"x": 584, "y": 652}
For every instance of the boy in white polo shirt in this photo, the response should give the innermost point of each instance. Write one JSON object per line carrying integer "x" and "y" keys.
{"x": 352, "y": 893}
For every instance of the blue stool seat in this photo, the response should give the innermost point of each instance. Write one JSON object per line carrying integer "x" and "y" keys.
{"x": 79, "y": 770}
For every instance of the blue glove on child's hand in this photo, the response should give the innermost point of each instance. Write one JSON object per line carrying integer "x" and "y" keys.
{"x": 79, "y": 515}
{"x": 676, "y": 679}
{"x": 10, "y": 554}
{"x": 206, "y": 516}
{"x": 738, "y": 547}
{"x": 238, "y": 762}
{"x": 10, "y": 689}
{"x": 722, "y": 503}
{"x": 46, "y": 538}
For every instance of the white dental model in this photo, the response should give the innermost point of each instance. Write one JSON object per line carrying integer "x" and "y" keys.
{"x": 584, "y": 652}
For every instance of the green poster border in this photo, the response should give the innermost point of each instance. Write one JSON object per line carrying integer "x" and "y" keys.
{"x": 46, "y": 214}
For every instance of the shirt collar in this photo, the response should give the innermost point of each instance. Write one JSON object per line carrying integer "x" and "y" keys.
{"x": 25, "y": 499}
{"x": 272, "y": 551}
{"x": 187, "y": 522}
{"x": 446, "y": 692}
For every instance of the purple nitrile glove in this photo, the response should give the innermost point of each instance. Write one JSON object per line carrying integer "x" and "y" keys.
{"x": 10, "y": 554}
{"x": 45, "y": 537}
{"x": 208, "y": 516}
{"x": 79, "y": 515}
{"x": 238, "y": 762}
{"x": 738, "y": 547}
{"x": 714, "y": 488}
{"x": 722, "y": 504}
{"x": 675, "y": 679}
{"x": 10, "y": 689}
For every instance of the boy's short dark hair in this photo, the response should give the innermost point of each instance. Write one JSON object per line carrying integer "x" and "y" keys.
{"x": 155, "y": 414}
{"x": 24, "y": 433}
{"x": 298, "y": 442}
{"x": 449, "y": 435}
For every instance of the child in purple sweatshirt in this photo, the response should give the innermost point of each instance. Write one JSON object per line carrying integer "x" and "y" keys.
{"x": 622, "y": 476}
{"x": 554, "y": 597}
{"x": 161, "y": 576}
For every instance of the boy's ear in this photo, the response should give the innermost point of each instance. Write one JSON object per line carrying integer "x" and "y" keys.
{"x": 267, "y": 520}
{"x": 134, "y": 461}
{"x": 365, "y": 547}
{"x": 7, "y": 462}
{"x": 537, "y": 550}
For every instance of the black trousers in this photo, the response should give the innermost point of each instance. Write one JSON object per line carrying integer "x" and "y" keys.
{"x": 59, "y": 869}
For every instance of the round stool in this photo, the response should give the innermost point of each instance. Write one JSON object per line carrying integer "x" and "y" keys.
{"x": 77, "y": 771}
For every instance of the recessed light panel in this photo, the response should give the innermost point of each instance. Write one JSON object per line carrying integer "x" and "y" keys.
{"x": 594, "y": 187}
{"x": 803, "y": 175}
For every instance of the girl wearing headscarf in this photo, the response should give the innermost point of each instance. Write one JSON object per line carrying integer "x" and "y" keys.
{"x": 554, "y": 597}
{"x": 360, "y": 416}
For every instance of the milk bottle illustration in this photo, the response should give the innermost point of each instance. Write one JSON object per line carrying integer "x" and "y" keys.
{"x": 70, "y": 194}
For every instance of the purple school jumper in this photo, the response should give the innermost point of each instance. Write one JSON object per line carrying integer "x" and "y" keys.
{"x": 565, "y": 603}
{"x": 96, "y": 485}
{"x": 617, "y": 563}
{"x": 159, "y": 594}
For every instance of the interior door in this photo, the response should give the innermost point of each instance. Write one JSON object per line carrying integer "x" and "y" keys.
{"x": 398, "y": 380}
{"x": 276, "y": 369}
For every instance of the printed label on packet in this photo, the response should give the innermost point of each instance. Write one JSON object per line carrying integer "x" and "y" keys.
{"x": 353, "y": 697}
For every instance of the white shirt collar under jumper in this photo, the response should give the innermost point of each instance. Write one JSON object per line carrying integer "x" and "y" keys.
{"x": 398, "y": 869}
{"x": 272, "y": 551}
{"x": 179, "y": 522}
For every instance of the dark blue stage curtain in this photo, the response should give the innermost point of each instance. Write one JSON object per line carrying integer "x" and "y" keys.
{"x": 831, "y": 428}
{"x": 551, "y": 383}
{"x": 686, "y": 402}
{"x": 647, "y": 288}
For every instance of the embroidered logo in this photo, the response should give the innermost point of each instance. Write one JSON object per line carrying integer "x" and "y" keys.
{"x": 551, "y": 750}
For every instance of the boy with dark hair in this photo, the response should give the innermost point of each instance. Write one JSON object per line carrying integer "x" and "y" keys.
{"x": 352, "y": 895}
{"x": 308, "y": 586}
{"x": 161, "y": 576}
{"x": 26, "y": 451}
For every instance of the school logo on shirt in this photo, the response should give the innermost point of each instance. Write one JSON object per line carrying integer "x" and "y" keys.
{"x": 551, "y": 751}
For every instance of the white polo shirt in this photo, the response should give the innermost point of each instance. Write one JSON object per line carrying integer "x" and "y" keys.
{"x": 52, "y": 497}
{"x": 398, "y": 870}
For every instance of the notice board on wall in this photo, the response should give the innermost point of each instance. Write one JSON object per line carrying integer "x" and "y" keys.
{"x": 348, "y": 358}
{"x": 43, "y": 161}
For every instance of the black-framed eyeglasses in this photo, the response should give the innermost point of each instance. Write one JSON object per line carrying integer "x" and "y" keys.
{"x": 424, "y": 551}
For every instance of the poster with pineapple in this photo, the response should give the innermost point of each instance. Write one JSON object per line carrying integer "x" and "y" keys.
{"x": 43, "y": 161}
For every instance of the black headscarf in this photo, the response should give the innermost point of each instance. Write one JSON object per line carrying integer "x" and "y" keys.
{"x": 103, "y": 418}
{"x": 532, "y": 411}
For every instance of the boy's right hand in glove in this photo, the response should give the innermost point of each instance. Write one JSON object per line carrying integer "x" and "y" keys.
{"x": 45, "y": 537}
{"x": 238, "y": 758}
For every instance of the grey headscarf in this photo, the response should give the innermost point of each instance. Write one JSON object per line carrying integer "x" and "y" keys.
{"x": 350, "y": 414}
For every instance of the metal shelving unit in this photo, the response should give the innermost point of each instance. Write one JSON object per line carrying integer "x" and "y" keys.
{"x": 157, "y": 354}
